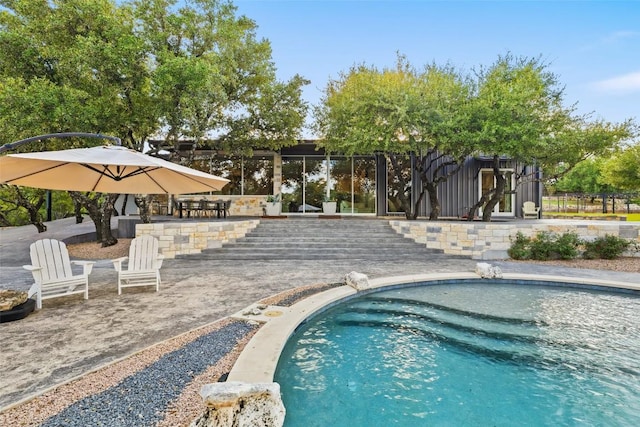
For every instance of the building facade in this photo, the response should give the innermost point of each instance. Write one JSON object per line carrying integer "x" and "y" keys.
{"x": 304, "y": 176}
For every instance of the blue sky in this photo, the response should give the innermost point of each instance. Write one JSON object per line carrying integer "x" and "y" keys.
{"x": 593, "y": 46}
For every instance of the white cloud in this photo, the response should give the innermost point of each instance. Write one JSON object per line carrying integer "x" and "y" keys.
{"x": 611, "y": 39}
{"x": 625, "y": 83}
{"x": 619, "y": 35}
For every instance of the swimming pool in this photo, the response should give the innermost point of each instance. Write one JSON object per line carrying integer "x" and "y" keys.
{"x": 467, "y": 353}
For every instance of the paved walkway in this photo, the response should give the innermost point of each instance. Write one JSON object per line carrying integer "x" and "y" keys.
{"x": 70, "y": 336}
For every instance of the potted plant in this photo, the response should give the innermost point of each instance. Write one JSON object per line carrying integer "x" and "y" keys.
{"x": 329, "y": 206}
{"x": 274, "y": 205}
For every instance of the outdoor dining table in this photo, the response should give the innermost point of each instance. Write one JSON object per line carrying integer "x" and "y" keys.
{"x": 202, "y": 206}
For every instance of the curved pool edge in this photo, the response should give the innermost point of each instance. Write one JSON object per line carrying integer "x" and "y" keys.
{"x": 258, "y": 361}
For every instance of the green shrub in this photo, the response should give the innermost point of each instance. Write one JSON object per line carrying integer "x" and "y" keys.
{"x": 566, "y": 246}
{"x": 545, "y": 246}
{"x": 520, "y": 247}
{"x": 541, "y": 246}
{"x": 607, "y": 247}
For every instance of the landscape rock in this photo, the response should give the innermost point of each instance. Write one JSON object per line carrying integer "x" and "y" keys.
{"x": 241, "y": 404}
{"x": 358, "y": 281}
{"x": 488, "y": 271}
{"x": 10, "y": 299}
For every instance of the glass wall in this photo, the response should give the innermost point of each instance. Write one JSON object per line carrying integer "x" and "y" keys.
{"x": 247, "y": 176}
{"x": 354, "y": 184}
{"x": 305, "y": 179}
{"x": 351, "y": 183}
{"x": 292, "y": 183}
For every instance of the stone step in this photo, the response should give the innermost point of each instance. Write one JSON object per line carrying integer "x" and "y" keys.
{"x": 317, "y": 239}
{"x": 325, "y": 244}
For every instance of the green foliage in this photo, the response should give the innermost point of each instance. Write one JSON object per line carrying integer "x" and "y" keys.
{"x": 622, "y": 170}
{"x": 607, "y": 247}
{"x": 14, "y": 202}
{"x": 586, "y": 178}
{"x": 566, "y": 246}
{"x": 541, "y": 248}
{"x": 545, "y": 246}
{"x": 400, "y": 111}
{"x": 520, "y": 247}
{"x": 141, "y": 68}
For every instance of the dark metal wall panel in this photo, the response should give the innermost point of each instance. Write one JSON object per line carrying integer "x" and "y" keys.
{"x": 461, "y": 190}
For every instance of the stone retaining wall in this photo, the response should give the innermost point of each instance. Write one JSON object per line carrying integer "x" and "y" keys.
{"x": 490, "y": 241}
{"x": 182, "y": 238}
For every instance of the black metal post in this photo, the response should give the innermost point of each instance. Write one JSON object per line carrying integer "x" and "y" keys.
{"x": 48, "y": 205}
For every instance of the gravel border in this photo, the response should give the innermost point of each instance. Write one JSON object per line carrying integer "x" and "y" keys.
{"x": 142, "y": 398}
{"x": 157, "y": 386}
{"x": 226, "y": 336}
{"x": 288, "y": 298}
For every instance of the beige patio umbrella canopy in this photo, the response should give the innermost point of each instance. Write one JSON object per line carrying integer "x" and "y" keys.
{"x": 104, "y": 169}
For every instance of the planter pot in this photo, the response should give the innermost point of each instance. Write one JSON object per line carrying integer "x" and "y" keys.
{"x": 329, "y": 207}
{"x": 273, "y": 208}
{"x": 18, "y": 312}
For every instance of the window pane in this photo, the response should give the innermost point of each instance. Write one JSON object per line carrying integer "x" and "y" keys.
{"x": 291, "y": 183}
{"x": 364, "y": 185}
{"x": 229, "y": 168}
{"x": 315, "y": 184}
{"x": 258, "y": 175}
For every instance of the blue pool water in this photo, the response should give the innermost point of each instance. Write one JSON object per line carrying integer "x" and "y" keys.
{"x": 472, "y": 354}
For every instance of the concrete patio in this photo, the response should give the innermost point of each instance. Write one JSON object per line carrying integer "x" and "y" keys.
{"x": 71, "y": 336}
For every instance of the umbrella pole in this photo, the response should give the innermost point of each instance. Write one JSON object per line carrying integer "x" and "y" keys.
{"x": 13, "y": 145}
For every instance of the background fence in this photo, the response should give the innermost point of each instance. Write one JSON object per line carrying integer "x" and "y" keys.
{"x": 592, "y": 203}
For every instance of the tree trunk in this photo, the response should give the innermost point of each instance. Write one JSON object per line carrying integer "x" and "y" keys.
{"x": 107, "y": 210}
{"x": 77, "y": 208}
{"x": 473, "y": 209}
{"x": 498, "y": 194}
{"x": 143, "y": 202}
{"x": 432, "y": 191}
{"x": 33, "y": 209}
{"x": 405, "y": 202}
{"x": 91, "y": 205}
{"x": 100, "y": 208}
{"x": 123, "y": 211}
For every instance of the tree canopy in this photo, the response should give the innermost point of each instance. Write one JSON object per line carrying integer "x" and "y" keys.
{"x": 192, "y": 69}
{"x": 622, "y": 170}
{"x": 401, "y": 112}
{"x": 512, "y": 109}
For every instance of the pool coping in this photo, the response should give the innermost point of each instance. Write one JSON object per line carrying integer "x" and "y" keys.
{"x": 258, "y": 361}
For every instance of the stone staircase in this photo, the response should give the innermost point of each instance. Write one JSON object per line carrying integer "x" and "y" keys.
{"x": 320, "y": 239}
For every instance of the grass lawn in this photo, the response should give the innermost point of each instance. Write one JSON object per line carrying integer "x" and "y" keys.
{"x": 630, "y": 217}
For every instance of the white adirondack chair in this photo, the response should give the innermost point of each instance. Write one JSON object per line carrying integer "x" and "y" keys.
{"x": 143, "y": 266}
{"x": 51, "y": 269}
{"x": 529, "y": 210}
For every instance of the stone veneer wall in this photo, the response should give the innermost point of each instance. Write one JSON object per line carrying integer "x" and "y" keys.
{"x": 490, "y": 241}
{"x": 176, "y": 238}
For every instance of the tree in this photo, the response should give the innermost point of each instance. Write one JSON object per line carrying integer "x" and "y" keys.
{"x": 518, "y": 114}
{"x": 68, "y": 66}
{"x": 139, "y": 69}
{"x": 585, "y": 177}
{"x": 401, "y": 113}
{"x": 13, "y": 198}
{"x": 212, "y": 79}
{"x": 622, "y": 170}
